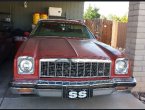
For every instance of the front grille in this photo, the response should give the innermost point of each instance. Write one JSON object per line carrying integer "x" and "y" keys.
{"x": 74, "y": 68}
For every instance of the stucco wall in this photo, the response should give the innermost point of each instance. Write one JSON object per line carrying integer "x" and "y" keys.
{"x": 22, "y": 17}
{"x": 135, "y": 42}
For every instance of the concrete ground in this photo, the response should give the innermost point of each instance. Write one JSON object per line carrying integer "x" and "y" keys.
{"x": 118, "y": 100}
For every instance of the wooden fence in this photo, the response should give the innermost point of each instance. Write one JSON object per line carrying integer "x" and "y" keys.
{"x": 103, "y": 28}
{"x": 110, "y": 32}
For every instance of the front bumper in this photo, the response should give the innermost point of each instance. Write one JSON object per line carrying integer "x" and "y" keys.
{"x": 55, "y": 88}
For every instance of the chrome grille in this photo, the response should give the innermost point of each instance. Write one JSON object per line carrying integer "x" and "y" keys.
{"x": 74, "y": 68}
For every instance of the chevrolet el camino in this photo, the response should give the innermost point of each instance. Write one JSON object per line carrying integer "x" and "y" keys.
{"x": 62, "y": 58}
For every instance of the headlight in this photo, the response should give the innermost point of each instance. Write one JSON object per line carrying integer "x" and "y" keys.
{"x": 121, "y": 66}
{"x": 25, "y": 65}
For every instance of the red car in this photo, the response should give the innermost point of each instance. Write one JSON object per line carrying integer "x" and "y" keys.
{"x": 62, "y": 58}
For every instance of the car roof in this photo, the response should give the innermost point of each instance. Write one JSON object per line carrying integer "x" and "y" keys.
{"x": 63, "y": 21}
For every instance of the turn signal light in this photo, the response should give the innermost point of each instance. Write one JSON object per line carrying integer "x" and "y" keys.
{"x": 25, "y": 90}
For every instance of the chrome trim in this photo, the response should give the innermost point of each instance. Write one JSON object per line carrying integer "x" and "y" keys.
{"x": 125, "y": 81}
{"x": 43, "y": 87}
{"x": 75, "y": 83}
{"x": 76, "y": 61}
{"x": 58, "y": 92}
{"x": 103, "y": 91}
{"x": 60, "y": 83}
{"x": 113, "y": 82}
{"x": 49, "y": 92}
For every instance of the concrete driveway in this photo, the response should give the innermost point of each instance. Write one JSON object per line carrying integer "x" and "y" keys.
{"x": 118, "y": 100}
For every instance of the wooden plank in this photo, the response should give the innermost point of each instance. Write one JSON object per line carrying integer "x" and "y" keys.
{"x": 122, "y": 27}
{"x": 106, "y": 31}
{"x": 111, "y": 32}
{"x": 114, "y": 34}
{"x": 119, "y": 35}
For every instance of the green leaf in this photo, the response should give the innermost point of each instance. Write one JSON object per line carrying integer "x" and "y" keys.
{"x": 91, "y": 13}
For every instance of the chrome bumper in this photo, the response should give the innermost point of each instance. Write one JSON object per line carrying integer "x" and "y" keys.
{"x": 55, "y": 88}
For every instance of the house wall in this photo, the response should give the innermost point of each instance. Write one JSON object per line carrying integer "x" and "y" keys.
{"x": 135, "y": 42}
{"x": 22, "y": 17}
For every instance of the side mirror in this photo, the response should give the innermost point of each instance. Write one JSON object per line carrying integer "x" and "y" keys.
{"x": 98, "y": 37}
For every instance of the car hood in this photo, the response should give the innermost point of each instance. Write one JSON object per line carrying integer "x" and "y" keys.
{"x": 56, "y": 47}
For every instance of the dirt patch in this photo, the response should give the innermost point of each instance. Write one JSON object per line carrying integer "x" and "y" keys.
{"x": 140, "y": 96}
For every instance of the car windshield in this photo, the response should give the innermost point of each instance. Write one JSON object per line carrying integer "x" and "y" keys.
{"x": 61, "y": 29}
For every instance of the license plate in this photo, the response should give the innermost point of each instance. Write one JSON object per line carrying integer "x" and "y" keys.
{"x": 77, "y": 93}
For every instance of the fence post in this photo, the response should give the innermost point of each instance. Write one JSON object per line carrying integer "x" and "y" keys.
{"x": 114, "y": 34}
